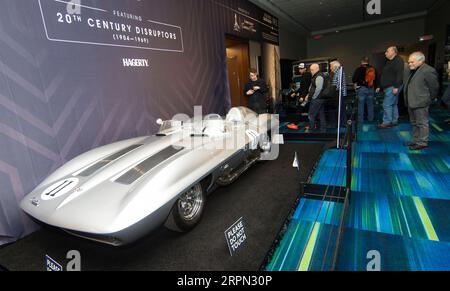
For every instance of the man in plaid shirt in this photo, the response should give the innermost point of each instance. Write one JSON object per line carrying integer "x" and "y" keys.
{"x": 336, "y": 70}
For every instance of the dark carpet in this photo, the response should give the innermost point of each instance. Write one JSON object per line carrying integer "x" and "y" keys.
{"x": 263, "y": 196}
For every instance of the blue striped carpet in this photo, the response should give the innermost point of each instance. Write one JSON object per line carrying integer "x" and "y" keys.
{"x": 399, "y": 208}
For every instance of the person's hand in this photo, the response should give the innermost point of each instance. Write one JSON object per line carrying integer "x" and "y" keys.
{"x": 301, "y": 100}
{"x": 256, "y": 88}
{"x": 307, "y": 98}
{"x": 395, "y": 91}
{"x": 250, "y": 92}
{"x": 378, "y": 90}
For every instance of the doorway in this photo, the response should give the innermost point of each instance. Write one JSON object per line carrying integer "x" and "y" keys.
{"x": 238, "y": 64}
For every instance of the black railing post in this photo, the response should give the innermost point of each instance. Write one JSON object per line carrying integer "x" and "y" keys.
{"x": 348, "y": 191}
{"x": 349, "y": 154}
{"x": 355, "y": 114}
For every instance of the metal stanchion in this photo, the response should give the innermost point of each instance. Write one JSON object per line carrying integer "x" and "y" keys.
{"x": 355, "y": 116}
{"x": 341, "y": 72}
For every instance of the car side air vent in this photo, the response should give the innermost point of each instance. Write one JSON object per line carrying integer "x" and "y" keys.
{"x": 97, "y": 166}
{"x": 140, "y": 170}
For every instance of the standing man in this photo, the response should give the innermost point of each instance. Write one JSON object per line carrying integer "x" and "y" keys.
{"x": 318, "y": 85}
{"x": 337, "y": 70}
{"x": 305, "y": 83}
{"x": 256, "y": 90}
{"x": 365, "y": 82}
{"x": 421, "y": 86}
{"x": 391, "y": 83}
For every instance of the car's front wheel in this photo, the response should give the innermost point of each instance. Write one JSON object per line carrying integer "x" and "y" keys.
{"x": 188, "y": 209}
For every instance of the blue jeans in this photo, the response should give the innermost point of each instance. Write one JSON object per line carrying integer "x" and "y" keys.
{"x": 365, "y": 95}
{"x": 390, "y": 106}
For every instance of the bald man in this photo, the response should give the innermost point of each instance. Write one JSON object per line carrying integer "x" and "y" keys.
{"x": 315, "y": 96}
{"x": 391, "y": 83}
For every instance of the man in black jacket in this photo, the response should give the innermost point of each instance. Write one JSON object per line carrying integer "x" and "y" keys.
{"x": 421, "y": 86}
{"x": 391, "y": 83}
{"x": 304, "y": 79}
{"x": 256, "y": 90}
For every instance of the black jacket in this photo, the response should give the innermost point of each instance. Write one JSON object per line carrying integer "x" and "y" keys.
{"x": 260, "y": 95}
{"x": 305, "y": 84}
{"x": 359, "y": 77}
{"x": 392, "y": 75}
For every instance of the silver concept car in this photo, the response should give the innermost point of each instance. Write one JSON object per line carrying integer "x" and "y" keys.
{"x": 120, "y": 192}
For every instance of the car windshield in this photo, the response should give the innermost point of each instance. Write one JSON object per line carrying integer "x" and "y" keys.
{"x": 170, "y": 126}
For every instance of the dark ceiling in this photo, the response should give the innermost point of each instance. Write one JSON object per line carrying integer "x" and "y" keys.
{"x": 317, "y": 16}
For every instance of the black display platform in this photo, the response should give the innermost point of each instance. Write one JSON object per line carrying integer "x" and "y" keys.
{"x": 312, "y": 136}
{"x": 263, "y": 196}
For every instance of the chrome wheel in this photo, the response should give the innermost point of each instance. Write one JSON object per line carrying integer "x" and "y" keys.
{"x": 190, "y": 204}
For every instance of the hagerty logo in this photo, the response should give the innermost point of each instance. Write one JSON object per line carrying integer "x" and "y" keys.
{"x": 136, "y": 63}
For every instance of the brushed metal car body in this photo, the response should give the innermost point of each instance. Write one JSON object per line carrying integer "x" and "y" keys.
{"x": 120, "y": 192}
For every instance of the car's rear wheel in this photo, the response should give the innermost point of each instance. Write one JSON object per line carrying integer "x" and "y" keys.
{"x": 188, "y": 209}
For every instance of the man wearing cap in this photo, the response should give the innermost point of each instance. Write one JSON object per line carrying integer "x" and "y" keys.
{"x": 304, "y": 79}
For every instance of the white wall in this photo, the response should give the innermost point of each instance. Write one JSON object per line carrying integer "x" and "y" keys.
{"x": 350, "y": 46}
{"x": 255, "y": 52}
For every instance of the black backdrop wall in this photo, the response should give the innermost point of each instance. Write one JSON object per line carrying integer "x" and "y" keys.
{"x": 74, "y": 77}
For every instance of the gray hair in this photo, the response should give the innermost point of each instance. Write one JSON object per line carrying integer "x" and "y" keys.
{"x": 335, "y": 63}
{"x": 418, "y": 56}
